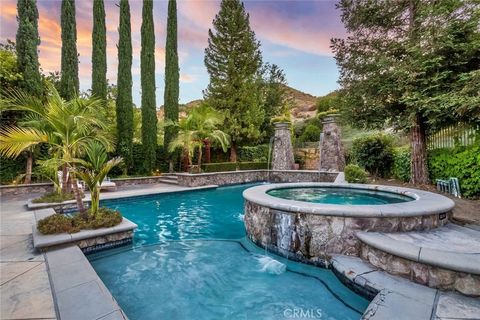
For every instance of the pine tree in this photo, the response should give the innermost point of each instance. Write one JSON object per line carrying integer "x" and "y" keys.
{"x": 124, "y": 103}
{"x": 276, "y": 98}
{"x": 233, "y": 60}
{"x": 171, "y": 74}
{"x": 69, "y": 84}
{"x": 27, "y": 47}
{"x": 147, "y": 70}
{"x": 99, "y": 51}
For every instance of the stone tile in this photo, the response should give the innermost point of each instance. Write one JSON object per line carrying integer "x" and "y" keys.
{"x": 58, "y": 257}
{"x": 391, "y": 305}
{"x": 69, "y": 275}
{"x": 11, "y": 270}
{"x": 85, "y": 302}
{"x": 6, "y": 241}
{"x": 47, "y": 240}
{"x": 116, "y": 315}
{"x": 21, "y": 251}
{"x": 13, "y": 228}
{"x": 351, "y": 266}
{"x": 27, "y": 296}
{"x": 453, "y": 305}
{"x": 381, "y": 280}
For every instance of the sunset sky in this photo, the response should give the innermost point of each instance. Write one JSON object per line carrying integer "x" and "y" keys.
{"x": 294, "y": 34}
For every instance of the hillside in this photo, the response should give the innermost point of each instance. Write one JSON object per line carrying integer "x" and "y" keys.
{"x": 303, "y": 105}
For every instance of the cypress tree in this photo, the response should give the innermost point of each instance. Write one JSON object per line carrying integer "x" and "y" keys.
{"x": 171, "y": 74}
{"x": 124, "y": 102}
{"x": 99, "y": 51}
{"x": 69, "y": 84}
{"x": 147, "y": 70}
{"x": 27, "y": 47}
{"x": 233, "y": 60}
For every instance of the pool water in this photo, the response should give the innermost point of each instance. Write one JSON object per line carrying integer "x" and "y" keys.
{"x": 347, "y": 196}
{"x": 191, "y": 260}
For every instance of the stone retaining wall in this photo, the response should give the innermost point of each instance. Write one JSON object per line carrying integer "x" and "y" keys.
{"x": 246, "y": 176}
{"x": 424, "y": 274}
{"x": 314, "y": 237}
{"x": 25, "y": 188}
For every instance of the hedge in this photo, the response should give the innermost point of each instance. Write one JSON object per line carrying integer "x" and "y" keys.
{"x": 355, "y": 174}
{"x": 252, "y": 165}
{"x": 462, "y": 163}
{"x": 375, "y": 153}
{"x": 219, "y": 167}
{"x": 256, "y": 153}
{"x": 401, "y": 164}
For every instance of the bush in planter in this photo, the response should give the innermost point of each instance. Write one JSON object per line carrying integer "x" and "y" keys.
{"x": 54, "y": 197}
{"x": 401, "y": 164}
{"x": 375, "y": 153}
{"x": 355, "y": 174}
{"x": 60, "y": 223}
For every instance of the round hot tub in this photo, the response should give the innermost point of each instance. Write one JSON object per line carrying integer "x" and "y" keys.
{"x": 311, "y": 221}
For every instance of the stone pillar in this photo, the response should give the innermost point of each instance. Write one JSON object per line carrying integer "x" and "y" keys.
{"x": 282, "y": 158}
{"x": 332, "y": 157}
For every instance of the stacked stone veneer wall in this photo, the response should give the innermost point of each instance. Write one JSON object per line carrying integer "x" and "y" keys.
{"x": 435, "y": 277}
{"x": 332, "y": 156}
{"x": 310, "y": 157}
{"x": 235, "y": 177}
{"x": 282, "y": 155}
{"x": 312, "y": 238}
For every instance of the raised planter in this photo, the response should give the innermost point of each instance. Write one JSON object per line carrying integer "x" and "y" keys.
{"x": 89, "y": 241}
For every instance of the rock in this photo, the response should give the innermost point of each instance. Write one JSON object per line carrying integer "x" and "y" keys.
{"x": 468, "y": 285}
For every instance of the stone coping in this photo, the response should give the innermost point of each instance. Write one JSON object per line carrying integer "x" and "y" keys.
{"x": 41, "y": 241}
{"x": 186, "y": 174}
{"x": 398, "y": 298}
{"x": 77, "y": 290}
{"x": 120, "y": 194}
{"x": 456, "y": 261}
{"x": 423, "y": 203}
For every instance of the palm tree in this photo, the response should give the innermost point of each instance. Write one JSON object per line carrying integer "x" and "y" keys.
{"x": 197, "y": 129}
{"x": 94, "y": 170}
{"x": 206, "y": 121}
{"x": 66, "y": 126}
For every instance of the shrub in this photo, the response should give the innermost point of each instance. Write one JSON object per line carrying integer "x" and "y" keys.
{"x": 60, "y": 223}
{"x": 401, "y": 164}
{"x": 219, "y": 167}
{"x": 355, "y": 174}
{"x": 375, "y": 153}
{"x": 462, "y": 163}
{"x": 54, "y": 197}
{"x": 252, "y": 165}
{"x": 310, "y": 134}
{"x": 255, "y": 153}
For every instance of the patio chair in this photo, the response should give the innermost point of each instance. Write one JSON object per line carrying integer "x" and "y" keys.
{"x": 108, "y": 184}
{"x": 80, "y": 183}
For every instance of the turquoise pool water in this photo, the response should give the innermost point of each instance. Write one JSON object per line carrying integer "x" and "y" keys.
{"x": 190, "y": 260}
{"x": 339, "y": 195}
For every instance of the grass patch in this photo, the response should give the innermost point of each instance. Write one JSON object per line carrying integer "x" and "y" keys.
{"x": 54, "y": 197}
{"x": 60, "y": 223}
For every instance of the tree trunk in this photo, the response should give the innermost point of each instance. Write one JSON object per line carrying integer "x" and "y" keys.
{"x": 186, "y": 161}
{"x": 78, "y": 196}
{"x": 170, "y": 166}
{"x": 208, "y": 157}
{"x": 65, "y": 184}
{"x": 95, "y": 201}
{"x": 199, "y": 161}
{"x": 28, "y": 171}
{"x": 233, "y": 152}
{"x": 419, "y": 170}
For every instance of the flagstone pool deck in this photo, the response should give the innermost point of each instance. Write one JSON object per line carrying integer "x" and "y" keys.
{"x": 27, "y": 291}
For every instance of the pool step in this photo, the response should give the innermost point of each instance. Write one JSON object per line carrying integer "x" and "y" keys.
{"x": 170, "y": 179}
{"x": 447, "y": 257}
{"x": 398, "y": 298}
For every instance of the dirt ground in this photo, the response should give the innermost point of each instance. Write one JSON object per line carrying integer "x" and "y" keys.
{"x": 465, "y": 212}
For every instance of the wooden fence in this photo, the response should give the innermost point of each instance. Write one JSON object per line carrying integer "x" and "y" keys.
{"x": 460, "y": 134}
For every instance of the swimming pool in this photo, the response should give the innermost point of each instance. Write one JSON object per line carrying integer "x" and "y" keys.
{"x": 190, "y": 260}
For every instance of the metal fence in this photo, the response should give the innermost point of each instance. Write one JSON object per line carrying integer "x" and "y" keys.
{"x": 460, "y": 134}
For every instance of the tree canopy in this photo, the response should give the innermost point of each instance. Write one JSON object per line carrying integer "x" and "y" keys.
{"x": 69, "y": 83}
{"x": 233, "y": 61}
{"x": 99, "y": 51}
